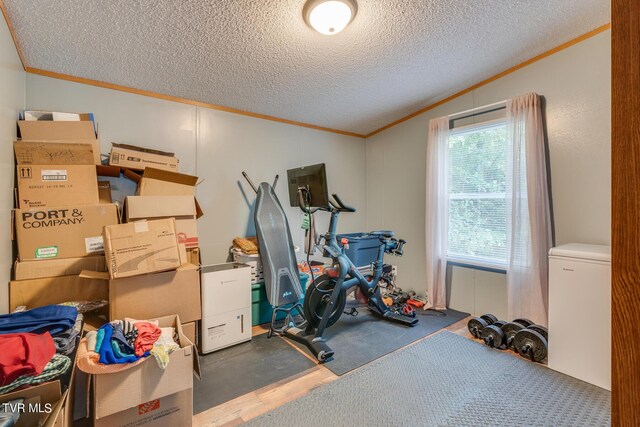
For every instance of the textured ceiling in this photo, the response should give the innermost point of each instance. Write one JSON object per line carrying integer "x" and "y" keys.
{"x": 259, "y": 55}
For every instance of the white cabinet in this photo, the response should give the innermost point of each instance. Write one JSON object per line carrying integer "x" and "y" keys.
{"x": 580, "y": 312}
{"x": 226, "y": 305}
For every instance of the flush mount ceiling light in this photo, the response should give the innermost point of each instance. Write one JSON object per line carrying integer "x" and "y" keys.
{"x": 329, "y": 17}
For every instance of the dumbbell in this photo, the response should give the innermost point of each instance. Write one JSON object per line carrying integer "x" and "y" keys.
{"x": 477, "y": 324}
{"x": 532, "y": 342}
{"x": 493, "y": 336}
{"x": 512, "y": 328}
{"x": 501, "y": 335}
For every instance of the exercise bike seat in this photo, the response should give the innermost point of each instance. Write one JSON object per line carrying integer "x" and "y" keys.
{"x": 382, "y": 233}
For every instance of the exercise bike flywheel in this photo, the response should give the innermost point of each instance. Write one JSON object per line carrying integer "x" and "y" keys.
{"x": 317, "y": 297}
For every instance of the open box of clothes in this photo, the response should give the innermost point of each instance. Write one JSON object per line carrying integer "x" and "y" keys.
{"x": 141, "y": 371}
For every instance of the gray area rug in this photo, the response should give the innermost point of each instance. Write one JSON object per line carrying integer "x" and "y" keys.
{"x": 361, "y": 339}
{"x": 448, "y": 380}
{"x": 243, "y": 368}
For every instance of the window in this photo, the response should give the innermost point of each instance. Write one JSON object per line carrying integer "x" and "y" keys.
{"x": 477, "y": 211}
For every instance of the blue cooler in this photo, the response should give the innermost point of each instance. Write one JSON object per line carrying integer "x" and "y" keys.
{"x": 363, "y": 248}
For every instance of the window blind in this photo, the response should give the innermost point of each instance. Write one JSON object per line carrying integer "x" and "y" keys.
{"x": 477, "y": 212}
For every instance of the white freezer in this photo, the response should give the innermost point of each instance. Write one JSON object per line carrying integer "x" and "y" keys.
{"x": 580, "y": 312}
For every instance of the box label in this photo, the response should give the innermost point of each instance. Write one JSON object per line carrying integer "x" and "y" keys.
{"x": 25, "y": 172}
{"x": 140, "y": 226}
{"x": 47, "y": 252}
{"x": 54, "y": 174}
{"x": 216, "y": 331}
{"x": 94, "y": 244}
{"x": 148, "y": 407}
{"x": 51, "y": 218}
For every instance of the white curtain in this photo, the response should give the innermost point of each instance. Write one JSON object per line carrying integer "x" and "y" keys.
{"x": 528, "y": 215}
{"x": 437, "y": 212}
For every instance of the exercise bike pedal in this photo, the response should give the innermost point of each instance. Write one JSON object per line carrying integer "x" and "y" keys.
{"x": 352, "y": 312}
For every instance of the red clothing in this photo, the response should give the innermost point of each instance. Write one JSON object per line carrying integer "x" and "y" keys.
{"x": 24, "y": 354}
{"x": 148, "y": 334}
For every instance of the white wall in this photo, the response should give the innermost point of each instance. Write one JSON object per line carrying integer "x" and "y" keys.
{"x": 385, "y": 174}
{"x": 217, "y": 146}
{"x": 12, "y": 94}
{"x": 575, "y": 83}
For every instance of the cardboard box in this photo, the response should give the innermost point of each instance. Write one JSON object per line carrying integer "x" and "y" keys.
{"x": 139, "y": 158}
{"x": 55, "y": 290}
{"x": 31, "y": 115}
{"x": 141, "y": 386}
{"x": 173, "y": 410}
{"x": 182, "y": 251}
{"x": 181, "y": 208}
{"x": 189, "y": 330}
{"x": 50, "y": 130}
{"x": 62, "y": 412}
{"x": 104, "y": 192}
{"x": 42, "y": 398}
{"x": 163, "y": 293}
{"x": 154, "y": 295}
{"x": 141, "y": 247}
{"x": 25, "y": 270}
{"x": 193, "y": 256}
{"x": 77, "y": 132}
{"x": 44, "y": 405}
{"x": 156, "y": 182}
{"x": 62, "y": 232}
{"x": 55, "y": 174}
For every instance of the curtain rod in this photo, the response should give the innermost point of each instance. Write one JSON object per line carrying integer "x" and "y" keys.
{"x": 495, "y": 104}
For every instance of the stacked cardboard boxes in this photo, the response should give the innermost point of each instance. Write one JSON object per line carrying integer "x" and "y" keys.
{"x": 58, "y": 219}
{"x": 72, "y": 246}
{"x": 150, "y": 275}
{"x": 57, "y": 226}
{"x": 153, "y": 257}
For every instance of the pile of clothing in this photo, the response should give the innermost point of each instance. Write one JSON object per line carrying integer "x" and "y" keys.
{"x": 121, "y": 344}
{"x": 35, "y": 345}
{"x": 246, "y": 245}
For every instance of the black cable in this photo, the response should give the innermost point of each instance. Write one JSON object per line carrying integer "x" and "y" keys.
{"x": 307, "y": 203}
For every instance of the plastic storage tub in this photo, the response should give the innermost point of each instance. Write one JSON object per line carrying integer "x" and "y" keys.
{"x": 363, "y": 248}
{"x": 261, "y": 310}
{"x": 254, "y": 261}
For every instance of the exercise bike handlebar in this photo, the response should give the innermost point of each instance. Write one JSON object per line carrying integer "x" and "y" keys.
{"x": 339, "y": 205}
{"x": 336, "y": 203}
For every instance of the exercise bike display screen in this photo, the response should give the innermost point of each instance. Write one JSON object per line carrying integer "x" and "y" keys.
{"x": 314, "y": 178}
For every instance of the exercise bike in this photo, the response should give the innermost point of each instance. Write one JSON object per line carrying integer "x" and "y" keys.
{"x": 326, "y": 297}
